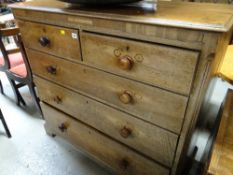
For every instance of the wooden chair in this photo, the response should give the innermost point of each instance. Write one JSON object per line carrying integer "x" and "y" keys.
{"x": 18, "y": 74}
{"x": 2, "y": 25}
{"x": 10, "y": 56}
{"x": 5, "y": 125}
{"x": 13, "y": 57}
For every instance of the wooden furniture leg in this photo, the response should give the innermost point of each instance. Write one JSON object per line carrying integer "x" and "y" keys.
{"x": 18, "y": 97}
{"x": 1, "y": 88}
{"x": 5, "y": 125}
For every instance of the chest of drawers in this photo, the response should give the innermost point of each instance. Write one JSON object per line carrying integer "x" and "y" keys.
{"x": 125, "y": 84}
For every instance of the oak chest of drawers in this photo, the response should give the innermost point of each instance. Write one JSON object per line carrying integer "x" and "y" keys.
{"x": 125, "y": 84}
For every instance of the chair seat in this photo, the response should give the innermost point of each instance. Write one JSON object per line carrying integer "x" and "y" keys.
{"x": 15, "y": 59}
{"x": 19, "y": 70}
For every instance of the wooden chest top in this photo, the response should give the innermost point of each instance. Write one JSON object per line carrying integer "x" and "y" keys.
{"x": 175, "y": 14}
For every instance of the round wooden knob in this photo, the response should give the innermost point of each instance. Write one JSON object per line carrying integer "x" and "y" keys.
{"x": 62, "y": 127}
{"x": 125, "y": 132}
{"x": 125, "y": 98}
{"x": 126, "y": 62}
{"x": 52, "y": 70}
{"x": 124, "y": 164}
{"x": 44, "y": 41}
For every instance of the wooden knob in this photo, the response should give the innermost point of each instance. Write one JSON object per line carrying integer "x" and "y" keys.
{"x": 57, "y": 99}
{"x": 124, "y": 164}
{"x": 125, "y": 97}
{"x": 126, "y": 62}
{"x": 62, "y": 127}
{"x": 125, "y": 132}
{"x": 51, "y": 70}
{"x": 44, "y": 41}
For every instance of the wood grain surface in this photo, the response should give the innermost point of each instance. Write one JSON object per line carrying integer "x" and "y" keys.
{"x": 141, "y": 136}
{"x": 162, "y": 66}
{"x": 119, "y": 157}
{"x": 203, "y": 16}
{"x": 155, "y": 105}
{"x": 62, "y": 41}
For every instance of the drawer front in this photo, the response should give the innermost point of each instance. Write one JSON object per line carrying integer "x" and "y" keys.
{"x": 162, "y": 66}
{"x": 121, "y": 158}
{"x": 151, "y": 104}
{"x": 57, "y": 41}
{"x": 152, "y": 141}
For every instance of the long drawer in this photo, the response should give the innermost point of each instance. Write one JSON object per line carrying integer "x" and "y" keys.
{"x": 59, "y": 41}
{"x": 121, "y": 158}
{"x": 148, "y": 103}
{"x": 142, "y": 136}
{"x": 166, "y": 67}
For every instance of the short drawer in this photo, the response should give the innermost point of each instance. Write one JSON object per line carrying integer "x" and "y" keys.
{"x": 59, "y": 41}
{"x": 144, "y": 137}
{"x": 166, "y": 67}
{"x": 157, "y": 106}
{"x": 117, "y": 156}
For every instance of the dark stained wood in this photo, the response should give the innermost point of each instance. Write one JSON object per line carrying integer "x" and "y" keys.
{"x": 5, "y": 124}
{"x": 9, "y": 31}
{"x": 13, "y": 50}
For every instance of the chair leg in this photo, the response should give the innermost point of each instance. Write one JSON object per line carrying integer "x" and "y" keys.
{"x": 1, "y": 88}
{"x": 5, "y": 125}
{"x": 18, "y": 97}
{"x": 36, "y": 100}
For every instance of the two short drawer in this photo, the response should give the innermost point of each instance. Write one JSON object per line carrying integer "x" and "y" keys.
{"x": 119, "y": 157}
{"x": 144, "y": 137}
{"x": 162, "y": 66}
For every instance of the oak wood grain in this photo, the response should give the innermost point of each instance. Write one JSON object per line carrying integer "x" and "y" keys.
{"x": 60, "y": 40}
{"x": 155, "y": 105}
{"x": 204, "y": 28}
{"x": 218, "y": 18}
{"x": 137, "y": 134}
{"x": 184, "y": 38}
{"x": 153, "y": 64}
